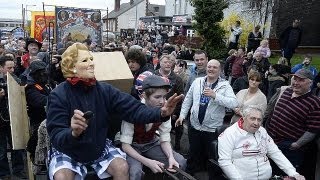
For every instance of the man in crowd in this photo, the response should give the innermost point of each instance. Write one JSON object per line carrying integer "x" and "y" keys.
{"x": 32, "y": 46}
{"x": 235, "y": 36}
{"x": 237, "y": 65}
{"x": 295, "y": 118}
{"x": 201, "y": 59}
{"x": 137, "y": 64}
{"x": 7, "y": 66}
{"x": 207, "y": 97}
{"x": 290, "y": 38}
{"x": 244, "y": 149}
{"x": 189, "y": 53}
{"x": 306, "y": 64}
{"x": 166, "y": 63}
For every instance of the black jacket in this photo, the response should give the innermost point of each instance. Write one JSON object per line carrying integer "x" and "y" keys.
{"x": 287, "y": 34}
{"x": 36, "y": 96}
{"x": 103, "y": 100}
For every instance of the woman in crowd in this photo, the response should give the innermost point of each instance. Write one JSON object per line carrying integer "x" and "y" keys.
{"x": 250, "y": 96}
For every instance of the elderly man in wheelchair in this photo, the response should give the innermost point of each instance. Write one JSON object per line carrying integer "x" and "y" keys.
{"x": 245, "y": 147}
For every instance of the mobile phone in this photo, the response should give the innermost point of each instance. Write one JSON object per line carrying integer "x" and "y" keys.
{"x": 88, "y": 115}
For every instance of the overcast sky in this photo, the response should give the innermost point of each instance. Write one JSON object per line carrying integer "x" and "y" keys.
{"x": 12, "y": 8}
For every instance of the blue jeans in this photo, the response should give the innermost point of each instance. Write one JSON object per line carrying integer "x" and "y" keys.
{"x": 16, "y": 155}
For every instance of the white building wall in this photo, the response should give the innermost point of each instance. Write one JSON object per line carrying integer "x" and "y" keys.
{"x": 169, "y": 8}
{"x": 178, "y": 7}
{"x": 130, "y": 19}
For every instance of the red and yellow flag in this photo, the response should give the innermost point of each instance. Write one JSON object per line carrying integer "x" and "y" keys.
{"x": 40, "y": 25}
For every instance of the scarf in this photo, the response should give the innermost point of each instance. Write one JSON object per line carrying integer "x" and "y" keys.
{"x": 87, "y": 82}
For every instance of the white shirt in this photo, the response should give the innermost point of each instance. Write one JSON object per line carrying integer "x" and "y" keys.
{"x": 236, "y": 31}
{"x": 243, "y": 155}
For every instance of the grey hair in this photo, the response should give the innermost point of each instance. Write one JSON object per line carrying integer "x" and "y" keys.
{"x": 246, "y": 110}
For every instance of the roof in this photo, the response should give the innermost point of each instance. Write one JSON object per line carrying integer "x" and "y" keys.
{"x": 10, "y": 20}
{"x": 7, "y": 29}
{"x": 123, "y": 8}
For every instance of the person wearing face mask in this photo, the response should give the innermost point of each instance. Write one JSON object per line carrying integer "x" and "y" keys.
{"x": 37, "y": 92}
{"x": 245, "y": 148}
{"x": 306, "y": 64}
{"x": 79, "y": 115}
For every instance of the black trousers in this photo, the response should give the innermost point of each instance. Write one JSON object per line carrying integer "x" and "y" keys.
{"x": 198, "y": 151}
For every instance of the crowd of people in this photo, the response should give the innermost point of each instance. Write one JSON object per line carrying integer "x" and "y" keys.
{"x": 275, "y": 108}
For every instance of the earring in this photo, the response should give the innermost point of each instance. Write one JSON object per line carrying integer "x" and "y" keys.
{"x": 74, "y": 71}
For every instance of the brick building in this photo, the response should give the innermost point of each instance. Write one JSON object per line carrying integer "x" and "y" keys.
{"x": 284, "y": 11}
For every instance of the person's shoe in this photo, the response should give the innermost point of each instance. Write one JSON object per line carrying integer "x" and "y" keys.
{"x": 21, "y": 175}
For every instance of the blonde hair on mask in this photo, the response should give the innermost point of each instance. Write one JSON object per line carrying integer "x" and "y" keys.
{"x": 69, "y": 59}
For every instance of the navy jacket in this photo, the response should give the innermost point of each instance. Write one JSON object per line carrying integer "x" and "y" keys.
{"x": 103, "y": 100}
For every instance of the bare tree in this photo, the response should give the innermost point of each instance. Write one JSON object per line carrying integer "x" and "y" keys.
{"x": 258, "y": 9}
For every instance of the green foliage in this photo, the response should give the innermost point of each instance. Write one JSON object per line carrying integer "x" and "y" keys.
{"x": 208, "y": 14}
{"x": 246, "y": 26}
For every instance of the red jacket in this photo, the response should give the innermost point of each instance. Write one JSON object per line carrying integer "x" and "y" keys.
{"x": 236, "y": 70}
{"x": 25, "y": 60}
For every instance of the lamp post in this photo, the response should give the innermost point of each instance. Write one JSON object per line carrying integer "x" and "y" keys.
{"x": 107, "y": 25}
{"x": 26, "y": 13}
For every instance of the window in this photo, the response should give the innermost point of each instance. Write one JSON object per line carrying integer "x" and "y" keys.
{"x": 252, "y": 4}
{"x": 156, "y": 9}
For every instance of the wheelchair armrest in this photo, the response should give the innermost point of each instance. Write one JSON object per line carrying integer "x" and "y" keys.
{"x": 213, "y": 150}
{"x": 214, "y": 168}
{"x": 220, "y": 129}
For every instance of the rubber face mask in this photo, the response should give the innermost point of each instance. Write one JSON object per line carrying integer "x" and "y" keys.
{"x": 84, "y": 66}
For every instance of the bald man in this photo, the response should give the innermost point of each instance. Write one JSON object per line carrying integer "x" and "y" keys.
{"x": 207, "y": 97}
